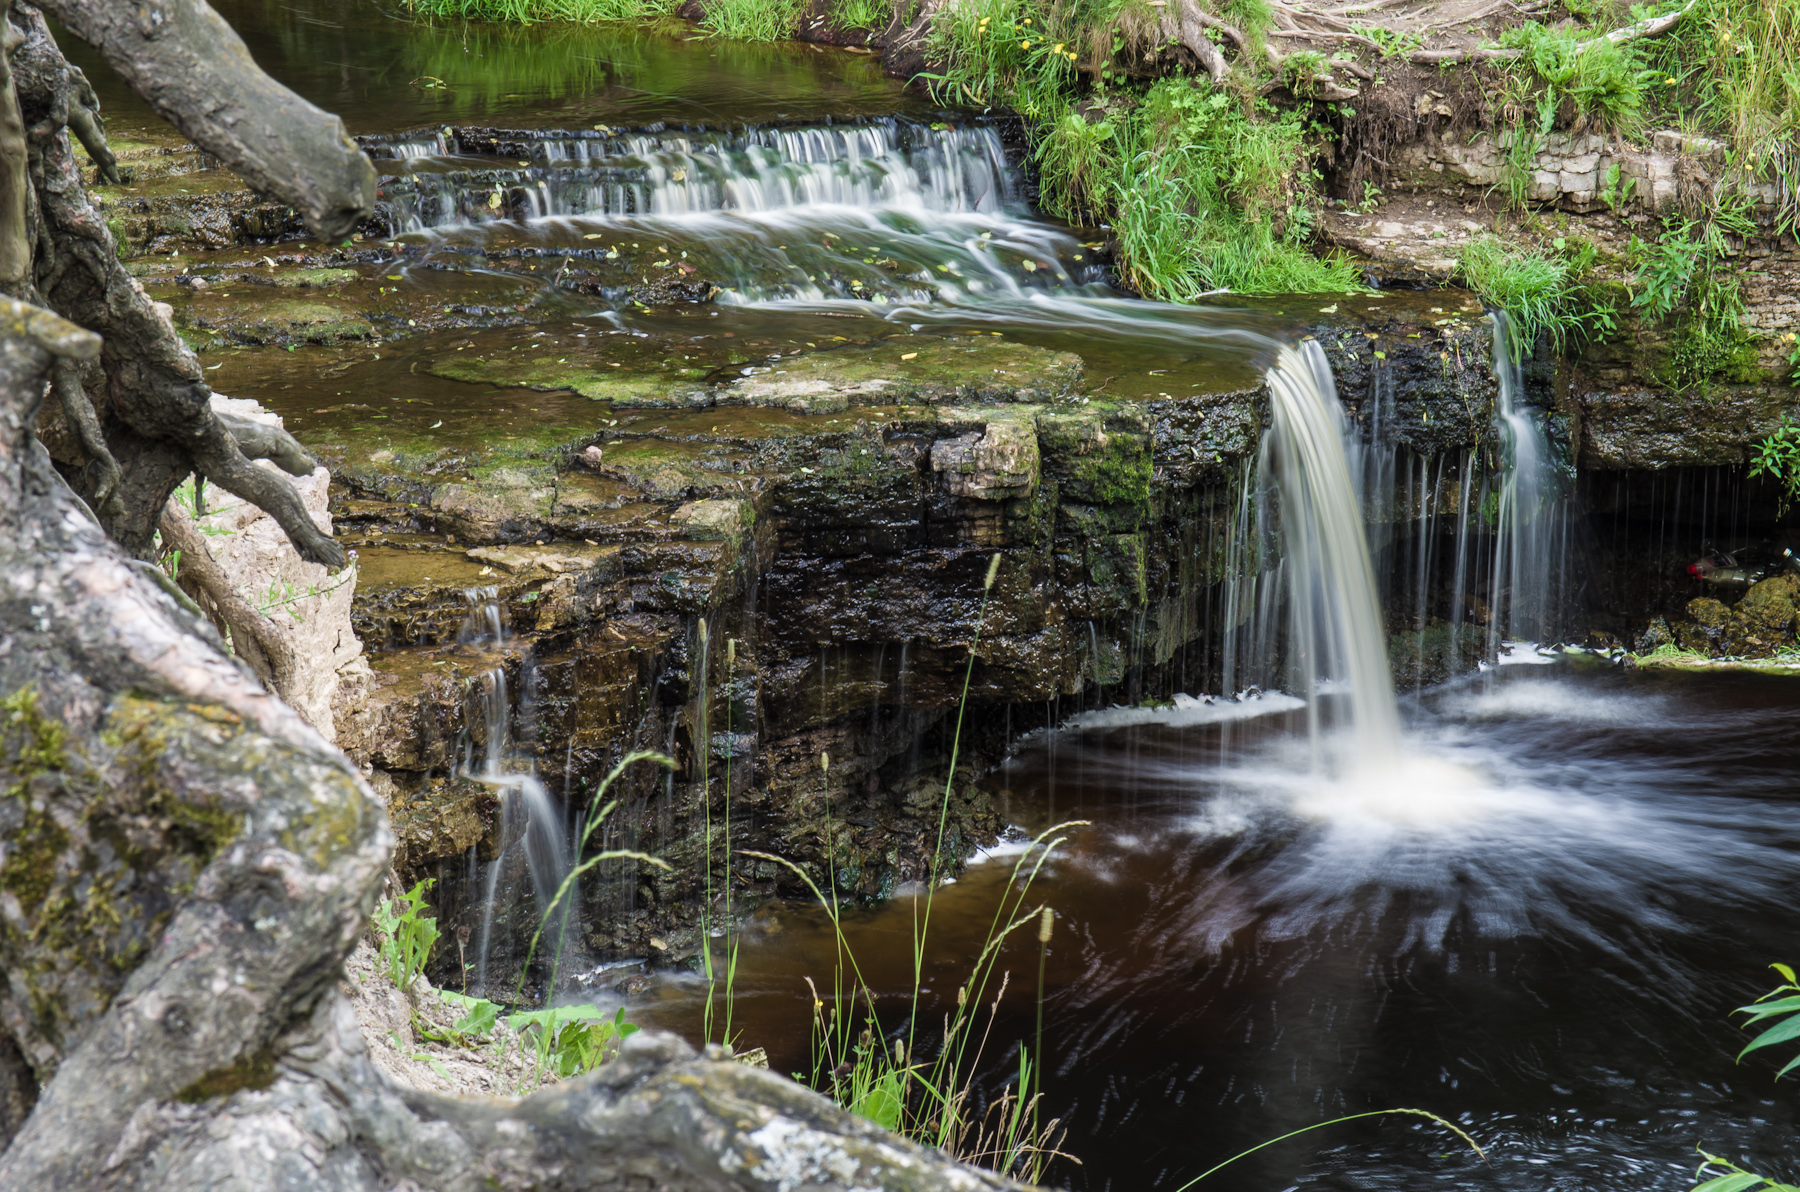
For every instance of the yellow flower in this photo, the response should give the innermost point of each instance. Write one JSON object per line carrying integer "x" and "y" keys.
{"x": 1059, "y": 46}
{"x": 1670, "y": 82}
{"x": 1024, "y": 45}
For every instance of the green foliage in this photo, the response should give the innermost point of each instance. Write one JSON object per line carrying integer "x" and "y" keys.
{"x": 572, "y": 1039}
{"x": 1601, "y": 78}
{"x": 479, "y": 1018}
{"x": 864, "y": 14}
{"x": 1687, "y": 284}
{"x": 1784, "y": 1010}
{"x": 1538, "y": 290}
{"x": 1732, "y": 67}
{"x": 406, "y": 934}
{"x": 754, "y": 20}
{"x": 1209, "y": 198}
{"x": 1732, "y": 1178}
{"x": 1780, "y": 1006}
{"x": 1078, "y": 160}
{"x": 568, "y": 1040}
{"x": 1002, "y": 51}
{"x": 526, "y": 11}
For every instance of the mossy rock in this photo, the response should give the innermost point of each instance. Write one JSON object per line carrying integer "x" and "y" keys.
{"x": 969, "y": 368}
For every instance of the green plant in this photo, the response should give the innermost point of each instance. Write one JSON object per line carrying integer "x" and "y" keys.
{"x": 1600, "y": 78}
{"x": 1209, "y": 198}
{"x": 1371, "y": 199}
{"x": 1538, "y": 291}
{"x": 527, "y": 11}
{"x": 1733, "y": 68}
{"x": 888, "y": 1080}
{"x": 864, "y": 14}
{"x": 1424, "y": 1113}
{"x": 597, "y": 812}
{"x": 1685, "y": 282}
{"x": 754, "y": 20}
{"x": 1778, "y": 456}
{"x": 567, "y": 1040}
{"x": 1001, "y": 51}
{"x": 407, "y": 935}
{"x": 1782, "y": 1006}
{"x": 571, "y": 1040}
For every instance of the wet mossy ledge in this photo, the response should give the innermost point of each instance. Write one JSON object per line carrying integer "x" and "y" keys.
{"x": 828, "y": 516}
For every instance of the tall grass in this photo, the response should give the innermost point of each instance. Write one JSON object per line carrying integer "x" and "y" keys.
{"x": 1539, "y": 291}
{"x": 1215, "y": 194}
{"x": 527, "y": 11}
{"x": 754, "y": 20}
{"x": 1732, "y": 67}
{"x": 904, "y": 1081}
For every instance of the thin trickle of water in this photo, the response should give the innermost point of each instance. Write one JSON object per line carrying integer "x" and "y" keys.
{"x": 534, "y": 834}
{"x": 1531, "y": 515}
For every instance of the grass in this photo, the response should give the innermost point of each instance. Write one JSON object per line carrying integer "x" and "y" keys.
{"x": 864, "y": 14}
{"x": 528, "y": 11}
{"x": 1733, "y": 68}
{"x": 754, "y": 20}
{"x": 901, "y": 1080}
{"x": 1688, "y": 284}
{"x": 1540, "y": 292}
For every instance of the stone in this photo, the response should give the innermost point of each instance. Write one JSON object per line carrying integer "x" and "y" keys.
{"x": 1000, "y": 465}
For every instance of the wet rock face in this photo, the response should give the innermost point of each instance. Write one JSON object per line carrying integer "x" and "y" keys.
{"x": 835, "y": 544}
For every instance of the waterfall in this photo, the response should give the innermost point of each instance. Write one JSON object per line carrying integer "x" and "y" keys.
{"x": 536, "y": 853}
{"x": 888, "y": 163}
{"x": 1530, "y": 516}
{"x": 1335, "y": 625}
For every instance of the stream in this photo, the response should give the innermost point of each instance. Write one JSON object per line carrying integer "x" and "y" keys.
{"x": 1525, "y": 899}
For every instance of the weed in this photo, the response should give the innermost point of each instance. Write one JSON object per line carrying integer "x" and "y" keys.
{"x": 864, "y": 14}
{"x": 1778, "y": 457}
{"x": 754, "y": 20}
{"x": 1538, "y": 290}
{"x": 889, "y": 1081}
{"x": 1731, "y": 67}
{"x": 406, "y": 934}
{"x": 1686, "y": 283}
{"x": 527, "y": 11}
{"x": 1211, "y": 199}
{"x": 1602, "y": 79}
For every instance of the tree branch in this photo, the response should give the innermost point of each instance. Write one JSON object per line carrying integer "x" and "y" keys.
{"x": 195, "y": 71}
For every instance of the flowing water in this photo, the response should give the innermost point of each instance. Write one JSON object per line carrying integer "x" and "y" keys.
{"x": 1525, "y": 899}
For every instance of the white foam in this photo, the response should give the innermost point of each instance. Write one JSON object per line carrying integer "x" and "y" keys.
{"x": 1525, "y": 654}
{"x": 1187, "y": 711}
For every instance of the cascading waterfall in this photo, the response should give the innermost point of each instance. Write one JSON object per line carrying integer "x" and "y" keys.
{"x": 536, "y": 852}
{"x": 1334, "y": 617}
{"x": 1531, "y": 516}
{"x": 883, "y": 163}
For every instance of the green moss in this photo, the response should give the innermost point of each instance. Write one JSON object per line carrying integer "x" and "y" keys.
{"x": 253, "y": 1072}
{"x": 33, "y": 742}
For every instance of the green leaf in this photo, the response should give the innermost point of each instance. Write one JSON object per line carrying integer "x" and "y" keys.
{"x": 1731, "y": 1183}
{"x": 1775, "y": 1034}
{"x": 1761, "y": 1010}
{"x": 880, "y": 1102}
{"x": 1787, "y": 974}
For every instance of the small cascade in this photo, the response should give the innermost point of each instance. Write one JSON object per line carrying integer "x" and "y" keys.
{"x": 1531, "y": 520}
{"x": 536, "y": 849}
{"x": 889, "y": 163}
{"x": 1336, "y": 641}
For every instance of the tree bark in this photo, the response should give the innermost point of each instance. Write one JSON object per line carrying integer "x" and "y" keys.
{"x": 196, "y": 72}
